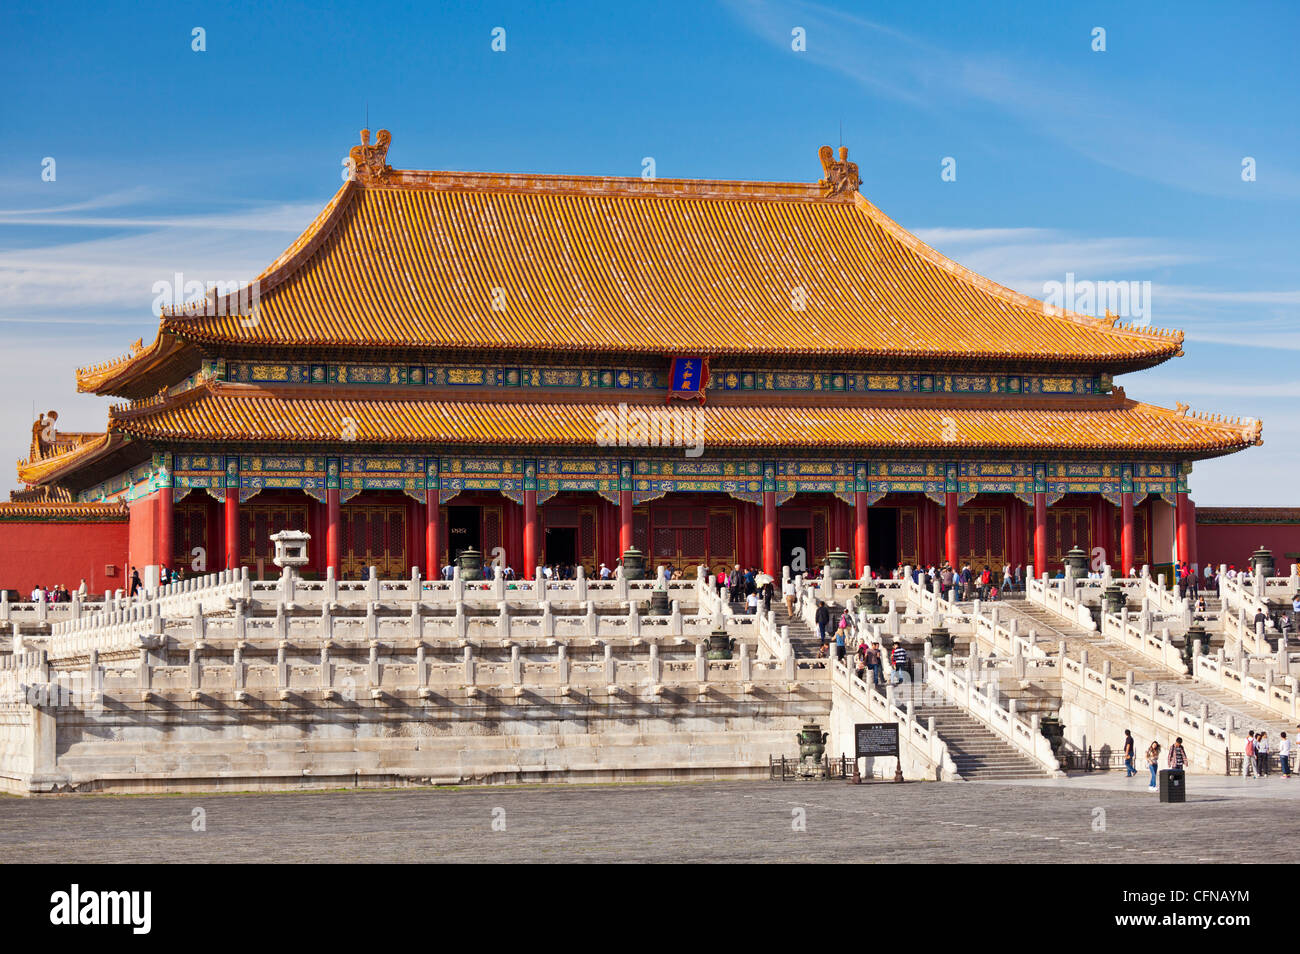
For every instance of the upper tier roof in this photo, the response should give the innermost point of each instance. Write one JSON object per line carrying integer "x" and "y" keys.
{"x": 402, "y": 259}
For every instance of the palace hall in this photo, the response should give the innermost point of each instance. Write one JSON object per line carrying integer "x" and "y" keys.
{"x": 433, "y": 365}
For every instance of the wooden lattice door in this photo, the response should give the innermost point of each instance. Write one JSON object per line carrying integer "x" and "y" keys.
{"x": 982, "y": 538}
{"x": 909, "y": 536}
{"x": 374, "y": 536}
{"x": 1067, "y": 527}
{"x": 257, "y": 522}
{"x": 190, "y": 534}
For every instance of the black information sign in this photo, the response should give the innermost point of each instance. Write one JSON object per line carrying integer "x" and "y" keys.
{"x": 875, "y": 738}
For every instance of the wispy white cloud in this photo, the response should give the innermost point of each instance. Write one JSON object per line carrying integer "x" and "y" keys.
{"x": 1050, "y": 100}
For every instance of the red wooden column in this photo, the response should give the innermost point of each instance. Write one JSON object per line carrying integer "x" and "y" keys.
{"x": 232, "y": 528}
{"x": 333, "y": 532}
{"x": 530, "y": 533}
{"x": 1126, "y": 542}
{"x": 1186, "y": 532}
{"x": 861, "y": 557}
{"x": 164, "y": 525}
{"x": 624, "y": 521}
{"x": 1040, "y": 533}
{"x": 1015, "y": 533}
{"x": 432, "y": 535}
{"x": 950, "y": 529}
{"x": 771, "y": 536}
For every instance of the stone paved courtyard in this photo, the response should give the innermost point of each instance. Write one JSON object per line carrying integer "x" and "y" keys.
{"x": 697, "y": 822}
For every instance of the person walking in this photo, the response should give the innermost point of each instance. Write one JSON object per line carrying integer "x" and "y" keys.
{"x": 899, "y": 660}
{"x": 1153, "y": 761}
{"x": 873, "y": 663}
{"x": 1261, "y": 755}
{"x": 1130, "y": 752}
{"x": 823, "y": 620}
{"x": 1284, "y": 755}
{"x": 1248, "y": 765}
{"x": 787, "y": 594}
{"x": 1177, "y": 755}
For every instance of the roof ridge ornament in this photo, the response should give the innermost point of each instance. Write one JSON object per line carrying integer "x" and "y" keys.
{"x": 369, "y": 163}
{"x": 841, "y": 175}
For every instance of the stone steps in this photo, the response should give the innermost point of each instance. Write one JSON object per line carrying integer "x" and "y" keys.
{"x": 976, "y": 751}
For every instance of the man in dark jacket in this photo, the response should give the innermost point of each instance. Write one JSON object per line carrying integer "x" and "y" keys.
{"x": 823, "y": 622}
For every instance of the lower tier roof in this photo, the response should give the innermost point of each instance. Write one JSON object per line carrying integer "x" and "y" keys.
{"x": 225, "y": 413}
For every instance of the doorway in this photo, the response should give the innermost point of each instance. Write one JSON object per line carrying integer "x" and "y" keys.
{"x": 462, "y": 530}
{"x": 794, "y": 550}
{"x": 561, "y": 546}
{"x": 882, "y": 539}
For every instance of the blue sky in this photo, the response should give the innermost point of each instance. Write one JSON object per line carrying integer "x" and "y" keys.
{"x": 1122, "y": 165}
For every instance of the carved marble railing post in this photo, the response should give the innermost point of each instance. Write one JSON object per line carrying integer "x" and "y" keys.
{"x": 580, "y": 585}
{"x": 417, "y": 620}
{"x": 516, "y": 666}
{"x": 503, "y": 620}
{"x": 563, "y": 664}
{"x": 471, "y": 667}
{"x": 281, "y": 665}
{"x": 656, "y": 665}
{"x": 591, "y": 621}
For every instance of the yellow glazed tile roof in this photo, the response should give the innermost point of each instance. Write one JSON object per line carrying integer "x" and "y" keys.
{"x": 232, "y": 413}
{"x": 35, "y": 471}
{"x": 63, "y": 510}
{"x": 472, "y": 260}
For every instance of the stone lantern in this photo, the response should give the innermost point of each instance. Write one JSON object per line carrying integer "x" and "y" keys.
{"x": 1262, "y": 559}
{"x": 290, "y": 548}
{"x": 633, "y": 564}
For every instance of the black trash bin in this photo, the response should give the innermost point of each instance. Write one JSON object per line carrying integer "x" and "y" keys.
{"x": 1173, "y": 786}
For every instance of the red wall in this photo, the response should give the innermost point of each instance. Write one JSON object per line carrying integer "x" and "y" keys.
{"x": 143, "y": 540}
{"x": 1233, "y": 543}
{"x": 62, "y": 553}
